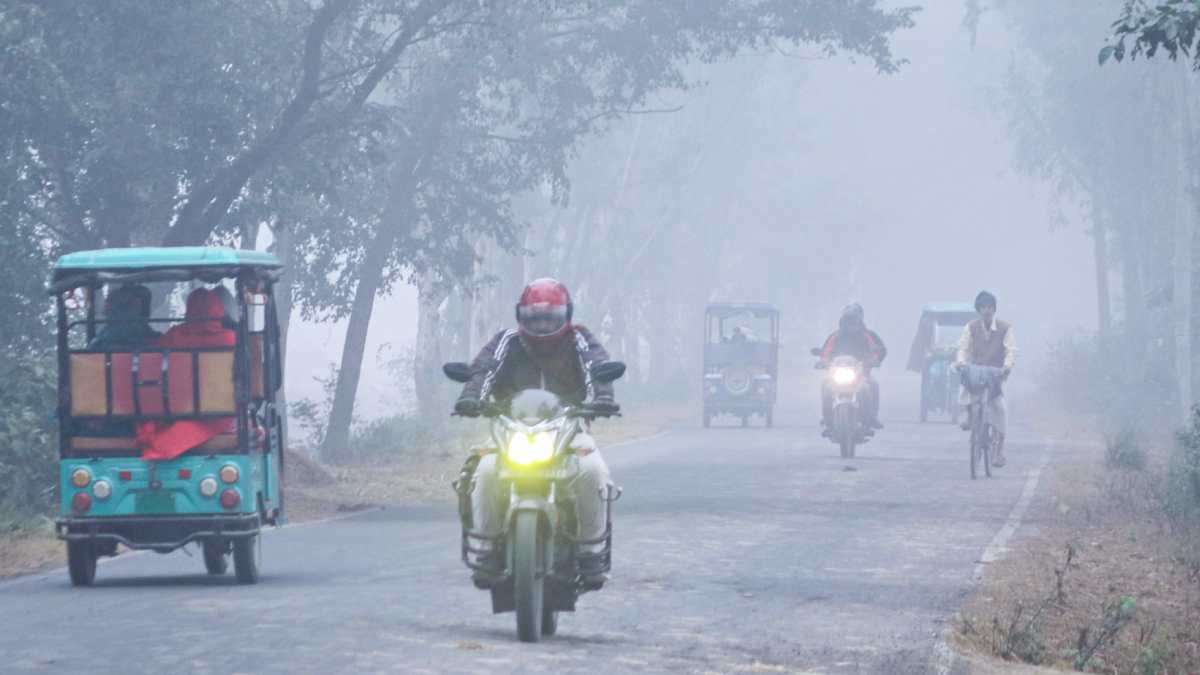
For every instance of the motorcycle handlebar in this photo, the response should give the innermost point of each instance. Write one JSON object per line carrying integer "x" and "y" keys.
{"x": 585, "y": 411}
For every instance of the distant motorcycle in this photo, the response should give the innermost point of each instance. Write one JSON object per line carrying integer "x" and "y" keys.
{"x": 846, "y": 378}
{"x": 540, "y": 547}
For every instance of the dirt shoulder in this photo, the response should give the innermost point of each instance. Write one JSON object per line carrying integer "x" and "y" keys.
{"x": 317, "y": 491}
{"x": 1094, "y": 581}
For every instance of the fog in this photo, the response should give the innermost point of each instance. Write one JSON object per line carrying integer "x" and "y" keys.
{"x": 902, "y": 184}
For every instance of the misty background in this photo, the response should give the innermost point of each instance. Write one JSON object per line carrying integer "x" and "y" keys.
{"x": 833, "y": 184}
{"x": 414, "y": 163}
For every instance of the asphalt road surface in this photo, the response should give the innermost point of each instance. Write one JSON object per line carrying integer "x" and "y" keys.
{"x": 737, "y": 550}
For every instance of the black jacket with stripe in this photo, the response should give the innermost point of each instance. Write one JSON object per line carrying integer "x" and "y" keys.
{"x": 506, "y": 366}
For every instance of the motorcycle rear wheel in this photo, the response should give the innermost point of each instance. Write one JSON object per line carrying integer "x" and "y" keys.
{"x": 528, "y": 583}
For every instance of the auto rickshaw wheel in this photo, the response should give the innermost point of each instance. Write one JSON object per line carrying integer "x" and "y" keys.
{"x": 245, "y": 559}
{"x": 81, "y": 562}
{"x": 925, "y": 395}
{"x": 216, "y": 556}
{"x": 549, "y": 621}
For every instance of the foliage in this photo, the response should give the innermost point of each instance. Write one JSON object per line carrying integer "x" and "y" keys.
{"x": 312, "y": 416}
{"x": 1083, "y": 376}
{"x": 28, "y": 437}
{"x": 1124, "y": 450}
{"x": 1170, "y": 25}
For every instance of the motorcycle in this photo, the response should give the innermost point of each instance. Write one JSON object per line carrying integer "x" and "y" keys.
{"x": 846, "y": 378}
{"x": 539, "y": 545}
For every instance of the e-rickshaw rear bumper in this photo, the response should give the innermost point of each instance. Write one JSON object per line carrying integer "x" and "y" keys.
{"x": 159, "y": 533}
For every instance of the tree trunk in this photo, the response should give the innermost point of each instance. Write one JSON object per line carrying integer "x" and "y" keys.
{"x": 397, "y": 216}
{"x": 427, "y": 355}
{"x": 282, "y": 247}
{"x": 1103, "y": 299}
{"x": 1184, "y": 237}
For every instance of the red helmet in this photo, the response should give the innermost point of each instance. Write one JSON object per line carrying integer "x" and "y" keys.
{"x": 544, "y": 313}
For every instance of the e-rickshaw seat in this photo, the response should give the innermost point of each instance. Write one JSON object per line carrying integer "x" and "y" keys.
{"x": 198, "y": 383}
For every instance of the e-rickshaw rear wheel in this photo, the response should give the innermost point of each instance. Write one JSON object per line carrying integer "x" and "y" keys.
{"x": 216, "y": 556}
{"x": 81, "y": 562}
{"x": 245, "y": 559}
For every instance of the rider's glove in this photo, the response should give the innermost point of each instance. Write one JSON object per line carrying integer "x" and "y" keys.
{"x": 468, "y": 406}
{"x": 605, "y": 404}
{"x": 1007, "y": 372}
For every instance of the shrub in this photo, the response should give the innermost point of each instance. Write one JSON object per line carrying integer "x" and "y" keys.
{"x": 28, "y": 433}
{"x": 1124, "y": 450}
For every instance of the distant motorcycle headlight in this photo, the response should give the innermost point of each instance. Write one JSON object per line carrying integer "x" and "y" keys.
{"x": 844, "y": 376}
{"x": 530, "y": 448}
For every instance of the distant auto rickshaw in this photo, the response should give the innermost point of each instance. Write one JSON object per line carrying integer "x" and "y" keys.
{"x": 933, "y": 352}
{"x": 741, "y": 361}
{"x": 127, "y": 395}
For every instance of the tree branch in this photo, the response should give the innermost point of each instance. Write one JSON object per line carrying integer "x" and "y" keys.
{"x": 209, "y": 202}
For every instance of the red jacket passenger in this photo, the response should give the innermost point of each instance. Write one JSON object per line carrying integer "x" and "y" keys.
{"x": 201, "y": 328}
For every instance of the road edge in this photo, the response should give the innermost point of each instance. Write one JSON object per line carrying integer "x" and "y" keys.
{"x": 944, "y": 654}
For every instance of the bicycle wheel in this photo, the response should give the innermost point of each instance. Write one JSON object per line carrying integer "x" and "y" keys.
{"x": 976, "y": 432}
{"x": 989, "y": 439}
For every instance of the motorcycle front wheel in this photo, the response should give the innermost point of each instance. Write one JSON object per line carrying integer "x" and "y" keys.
{"x": 844, "y": 428}
{"x": 528, "y": 580}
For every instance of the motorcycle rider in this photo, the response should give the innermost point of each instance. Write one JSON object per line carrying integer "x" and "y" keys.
{"x": 987, "y": 341}
{"x": 545, "y": 351}
{"x": 853, "y": 338}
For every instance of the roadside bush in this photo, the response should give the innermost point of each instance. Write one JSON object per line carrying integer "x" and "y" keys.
{"x": 28, "y": 434}
{"x": 1085, "y": 376}
{"x": 1124, "y": 450}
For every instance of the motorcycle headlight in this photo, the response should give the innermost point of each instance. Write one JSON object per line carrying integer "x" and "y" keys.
{"x": 844, "y": 376}
{"x": 530, "y": 448}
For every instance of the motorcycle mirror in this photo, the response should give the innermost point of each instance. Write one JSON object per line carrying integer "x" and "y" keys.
{"x": 457, "y": 371}
{"x": 608, "y": 371}
{"x": 815, "y": 351}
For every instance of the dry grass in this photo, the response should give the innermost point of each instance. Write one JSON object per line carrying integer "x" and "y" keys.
{"x": 1089, "y": 550}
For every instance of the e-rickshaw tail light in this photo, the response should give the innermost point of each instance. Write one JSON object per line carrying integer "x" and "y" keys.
{"x": 230, "y": 474}
{"x": 81, "y": 502}
{"x": 81, "y": 478}
{"x": 230, "y": 498}
{"x": 208, "y": 487}
{"x": 102, "y": 489}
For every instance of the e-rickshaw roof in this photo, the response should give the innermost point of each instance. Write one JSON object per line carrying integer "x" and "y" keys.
{"x": 953, "y": 310}
{"x": 726, "y": 309}
{"x": 177, "y": 263}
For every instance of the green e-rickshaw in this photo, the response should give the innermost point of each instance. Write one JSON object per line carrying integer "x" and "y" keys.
{"x": 218, "y": 494}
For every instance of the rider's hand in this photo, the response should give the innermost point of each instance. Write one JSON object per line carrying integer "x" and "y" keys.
{"x": 468, "y": 406}
{"x": 605, "y": 405}
{"x": 1007, "y": 372}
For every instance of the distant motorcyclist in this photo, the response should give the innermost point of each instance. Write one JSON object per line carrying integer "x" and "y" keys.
{"x": 546, "y": 351}
{"x": 853, "y": 338}
{"x": 987, "y": 341}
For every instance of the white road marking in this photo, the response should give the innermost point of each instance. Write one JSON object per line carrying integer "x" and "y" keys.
{"x": 996, "y": 548}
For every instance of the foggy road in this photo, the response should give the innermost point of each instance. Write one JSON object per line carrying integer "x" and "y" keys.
{"x": 737, "y": 550}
